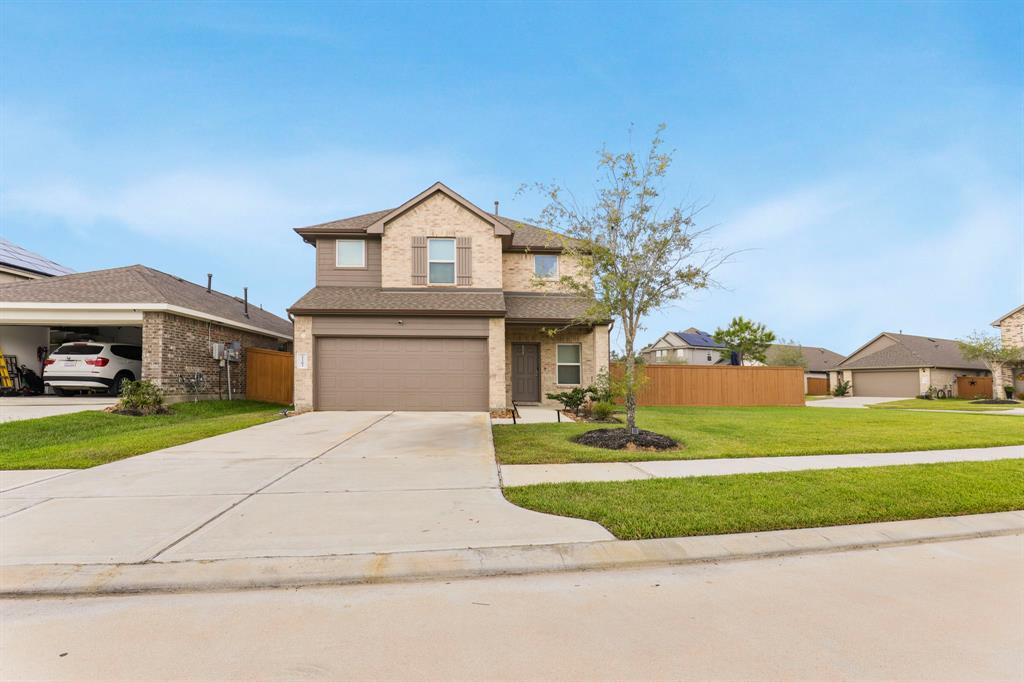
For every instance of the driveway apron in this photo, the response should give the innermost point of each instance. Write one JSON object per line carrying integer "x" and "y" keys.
{"x": 316, "y": 484}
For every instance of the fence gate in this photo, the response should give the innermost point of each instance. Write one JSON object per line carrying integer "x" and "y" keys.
{"x": 974, "y": 387}
{"x": 817, "y": 386}
{"x": 268, "y": 375}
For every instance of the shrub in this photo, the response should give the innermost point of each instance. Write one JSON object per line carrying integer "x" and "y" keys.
{"x": 141, "y": 397}
{"x": 602, "y": 409}
{"x": 571, "y": 400}
{"x": 841, "y": 389}
{"x": 603, "y": 390}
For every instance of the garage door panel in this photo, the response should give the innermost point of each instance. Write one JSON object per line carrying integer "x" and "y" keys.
{"x": 357, "y": 373}
{"x": 895, "y": 384}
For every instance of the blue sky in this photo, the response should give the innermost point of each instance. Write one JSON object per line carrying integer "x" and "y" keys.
{"x": 868, "y": 157}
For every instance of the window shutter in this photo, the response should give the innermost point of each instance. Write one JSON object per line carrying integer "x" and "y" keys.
{"x": 419, "y": 260}
{"x": 464, "y": 261}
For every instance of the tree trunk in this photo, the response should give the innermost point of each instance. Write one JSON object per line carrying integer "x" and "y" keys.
{"x": 630, "y": 385}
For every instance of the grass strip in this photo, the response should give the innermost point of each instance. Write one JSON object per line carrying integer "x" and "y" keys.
{"x": 709, "y": 505}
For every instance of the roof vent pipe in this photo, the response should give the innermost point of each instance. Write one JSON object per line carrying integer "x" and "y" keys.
{"x": 495, "y": 208}
{"x": 246, "y": 300}
{"x": 209, "y": 282}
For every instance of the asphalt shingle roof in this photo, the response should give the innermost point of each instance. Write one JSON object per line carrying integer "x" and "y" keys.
{"x": 20, "y": 258}
{"x": 142, "y": 285}
{"x": 545, "y": 307}
{"x": 915, "y": 351}
{"x": 375, "y": 299}
{"x": 817, "y": 359}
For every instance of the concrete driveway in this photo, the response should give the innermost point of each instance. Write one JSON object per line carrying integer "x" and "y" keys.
{"x": 316, "y": 484}
{"x": 849, "y": 401}
{"x": 33, "y": 407}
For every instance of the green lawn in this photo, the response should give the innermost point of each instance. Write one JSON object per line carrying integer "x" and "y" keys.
{"x": 675, "y": 507}
{"x": 764, "y": 431}
{"x": 85, "y": 439}
{"x": 808, "y": 398}
{"x": 945, "y": 404}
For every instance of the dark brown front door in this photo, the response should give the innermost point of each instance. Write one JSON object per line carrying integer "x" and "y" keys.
{"x": 525, "y": 372}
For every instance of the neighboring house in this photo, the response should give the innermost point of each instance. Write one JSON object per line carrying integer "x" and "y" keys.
{"x": 17, "y": 264}
{"x": 818, "y": 362}
{"x": 902, "y": 365}
{"x": 691, "y": 347}
{"x": 174, "y": 321}
{"x": 1011, "y": 330}
{"x": 434, "y": 305}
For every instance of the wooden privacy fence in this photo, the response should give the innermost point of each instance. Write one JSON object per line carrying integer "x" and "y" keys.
{"x": 268, "y": 375}
{"x": 817, "y": 386}
{"x": 722, "y": 385}
{"x": 974, "y": 387}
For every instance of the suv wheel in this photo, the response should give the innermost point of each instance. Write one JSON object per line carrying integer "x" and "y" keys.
{"x": 62, "y": 392}
{"x": 118, "y": 385}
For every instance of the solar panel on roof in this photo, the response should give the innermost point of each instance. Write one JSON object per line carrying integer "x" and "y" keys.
{"x": 15, "y": 256}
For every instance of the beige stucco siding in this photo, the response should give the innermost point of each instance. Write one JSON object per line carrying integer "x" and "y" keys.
{"x": 439, "y": 216}
{"x": 518, "y": 273}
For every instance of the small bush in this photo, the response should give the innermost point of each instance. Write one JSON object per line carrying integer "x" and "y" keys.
{"x": 571, "y": 400}
{"x": 601, "y": 410}
{"x": 140, "y": 398}
{"x": 841, "y": 389}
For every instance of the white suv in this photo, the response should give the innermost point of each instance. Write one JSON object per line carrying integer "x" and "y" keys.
{"x": 92, "y": 366}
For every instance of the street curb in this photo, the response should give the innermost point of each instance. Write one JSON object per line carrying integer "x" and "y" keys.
{"x": 62, "y": 580}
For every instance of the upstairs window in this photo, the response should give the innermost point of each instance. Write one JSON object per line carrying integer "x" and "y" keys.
{"x": 441, "y": 261}
{"x": 350, "y": 253}
{"x": 545, "y": 265}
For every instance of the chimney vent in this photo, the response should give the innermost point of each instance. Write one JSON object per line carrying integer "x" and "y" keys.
{"x": 495, "y": 208}
{"x": 209, "y": 282}
{"x": 246, "y": 300}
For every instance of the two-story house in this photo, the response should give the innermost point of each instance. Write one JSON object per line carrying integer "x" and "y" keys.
{"x": 691, "y": 347}
{"x": 1011, "y": 331}
{"x": 436, "y": 305}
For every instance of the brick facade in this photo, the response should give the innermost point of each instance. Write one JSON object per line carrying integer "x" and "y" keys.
{"x": 303, "y": 334}
{"x": 594, "y": 356}
{"x": 517, "y": 273}
{"x": 439, "y": 216}
{"x": 173, "y": 345}
{"x": 1011, "y": 330}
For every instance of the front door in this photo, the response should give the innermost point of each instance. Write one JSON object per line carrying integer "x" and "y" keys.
{"x": 526, "y": 372}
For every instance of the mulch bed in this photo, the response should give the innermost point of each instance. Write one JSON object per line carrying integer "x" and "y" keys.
{"x": 621, "y": 439}
{"x": 993, "y": 401}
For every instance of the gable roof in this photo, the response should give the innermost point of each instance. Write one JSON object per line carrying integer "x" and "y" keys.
{"x": 912, "y": 351}
{"x": 142, "y": 287}
{"x": 698, "y": 339}
{"x": 817, "y": 359}
{"x": 1009, "y": 314}
{"x": 500, "y": 229}
{"x": 20, "y": 258}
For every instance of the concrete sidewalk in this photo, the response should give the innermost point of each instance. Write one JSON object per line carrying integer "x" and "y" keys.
{"x": 528, "y": 474}
{"x": 259, "y": 573}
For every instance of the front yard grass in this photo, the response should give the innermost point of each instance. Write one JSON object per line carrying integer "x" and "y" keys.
{"x": 944, "y": 404}
{"x": 706, "y": 432}
{"x": 86, "y": 439}
{"x": 675, "y": 507}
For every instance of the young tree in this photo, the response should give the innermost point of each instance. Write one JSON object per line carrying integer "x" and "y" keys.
{"x": 641, "y": 256}
{"x": 746, "y": 338}
{"x": 789, "y": 354}
{"x": 979, "y": 346}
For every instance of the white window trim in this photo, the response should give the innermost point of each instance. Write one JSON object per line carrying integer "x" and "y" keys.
{"x": 569, "y": 364}
{"x": 557, "y": 265}
{"x": 453, "y": 261}
{"x": 337, "y": 253}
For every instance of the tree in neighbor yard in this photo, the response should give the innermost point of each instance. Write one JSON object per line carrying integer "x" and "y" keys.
{"x": 748, "y": 339}
{"x": 641, "y": 255}
{"x": 979, "y": 346}
{"x": 789, "y": 354}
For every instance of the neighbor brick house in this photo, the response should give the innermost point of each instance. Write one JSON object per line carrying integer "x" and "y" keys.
{"x": 175, "y": 321}
{"x": 439, "y": 305}
{"x": 1011, "y": 331}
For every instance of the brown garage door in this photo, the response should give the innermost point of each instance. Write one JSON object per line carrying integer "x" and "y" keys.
{"x": 360, "y": 373}
{"x": 902, "y": 384}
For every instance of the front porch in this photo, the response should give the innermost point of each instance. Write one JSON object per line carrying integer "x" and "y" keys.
{"x": 538, "y": 362}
